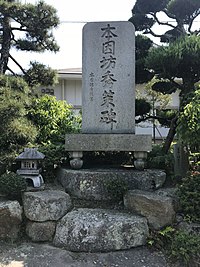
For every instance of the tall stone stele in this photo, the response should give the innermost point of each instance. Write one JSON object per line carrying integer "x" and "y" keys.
{"x": 108, "y": 94}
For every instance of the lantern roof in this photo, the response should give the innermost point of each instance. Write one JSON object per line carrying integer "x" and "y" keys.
{"x": 31, "y": 154}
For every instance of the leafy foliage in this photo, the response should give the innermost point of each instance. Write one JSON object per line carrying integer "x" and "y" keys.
{"x": 180, "y": 246}
{"x": 142, "y": 107}
{"x": 188, "y": 10}
{"x": 16, "y": 130}
{"x": 142, "y": 45}
{"x": 185, "y": 248}
{"x": 145, "y": 14}
{"x": 53, "y": 118}
{"x": 12, "y": 184}
{"x": 157, "y": 159}
{"x": 55, "y": 156}
{"x": 189, "y": 121}
{"x": 178, "y": 60}
{"x": 40, "y": 74}
{"x": 27, "y": 27}
{"x": 165, "y": 116}
{"x": 189, "y": 194}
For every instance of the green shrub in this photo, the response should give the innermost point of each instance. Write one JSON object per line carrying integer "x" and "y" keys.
{"x": 53, "y": 118}
{"x": 180, "y": 246}
{"x": 189, "y": 122}
{"x": 185, "y": 248}
{"x": 161, "y": 239}
{"x": 12, "y": 184}
{"x": 189, "y": 195}
{"x": 157, "y": 159}
{"x": 55, "y": 156}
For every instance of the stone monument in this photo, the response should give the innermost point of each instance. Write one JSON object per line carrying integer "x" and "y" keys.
{"x": 108, "y": 94}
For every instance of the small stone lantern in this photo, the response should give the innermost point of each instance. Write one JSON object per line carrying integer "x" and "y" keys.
{"x": 29, "y": 166}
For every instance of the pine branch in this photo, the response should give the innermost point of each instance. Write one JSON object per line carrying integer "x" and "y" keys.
{"x": 168, "y": 14}
{"x": 179, "y": 86}
{"x": 149, "y": 31}
{"x": 19, "y": 29}
{"x": 24, "y": 72}
{"x": 11, "y": 71}
{"x": 148, "y": 117}
{"x": 160, "y": 22}
{"x": 192, "y": 20}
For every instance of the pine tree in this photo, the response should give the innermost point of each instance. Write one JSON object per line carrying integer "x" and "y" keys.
{"x": 26, "y": 27}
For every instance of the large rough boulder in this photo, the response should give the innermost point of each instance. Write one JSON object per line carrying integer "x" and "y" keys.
{"x": 172, "y": 193}
{"x": 100, "y": 230}
{"x": 49, "y": 205}
{"x": 93, "y": 184}
{"x": 158, "y": 209}
{"x": 10, "y": 219}
{"x": 41, "y": 231}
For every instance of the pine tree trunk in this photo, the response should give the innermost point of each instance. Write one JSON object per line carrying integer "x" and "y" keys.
{"x": 171, "y": 134}
{"x": 6, "y": 44}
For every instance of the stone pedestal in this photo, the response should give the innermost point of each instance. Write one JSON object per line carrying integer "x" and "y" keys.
{"x": 76, "y": 144}
{"x": 95, "y": 184}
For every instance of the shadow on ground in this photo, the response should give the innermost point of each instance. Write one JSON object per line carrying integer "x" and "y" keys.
{"x": 44, "y": 255}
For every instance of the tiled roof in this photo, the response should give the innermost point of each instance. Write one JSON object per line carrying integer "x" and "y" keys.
{"x": 31, "y": 153}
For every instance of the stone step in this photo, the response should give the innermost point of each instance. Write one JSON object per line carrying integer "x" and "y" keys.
{"x": 104, "y": 184}
{"x": 100, "y": 230}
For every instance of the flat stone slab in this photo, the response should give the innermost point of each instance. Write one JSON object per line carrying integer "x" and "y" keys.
{"x": 94, "y": 184}
{"x": 46, "y": 205}
{"x": 93, "y": 230}
{"x": 108, "y": 142}
{"x": 108, "y": 84}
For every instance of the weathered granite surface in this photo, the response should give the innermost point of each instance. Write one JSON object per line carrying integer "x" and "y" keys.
{"x": 48, "y": 205}
{"x": 158, "y": 209}
{"x": 108, "y": 77}
{"x": 10, "y": 219}
{"x": 100, "y": 230}
{"x": 172, "y": 193}
{"x": 93, "y": 183}
{"x": 40, "y": 231}
{"x": 108, "y": 142}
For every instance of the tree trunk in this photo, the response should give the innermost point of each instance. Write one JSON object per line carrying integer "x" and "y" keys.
{"x": 171, "y": 134}
{"x": 6, "y": 44}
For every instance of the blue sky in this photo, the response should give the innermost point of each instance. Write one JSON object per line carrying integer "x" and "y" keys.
{"x": 73, "y": 14}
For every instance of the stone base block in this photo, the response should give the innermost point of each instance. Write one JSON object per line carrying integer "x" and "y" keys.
{"x": 48, "y": 205}
{"x": 108, "y": 142}
{"x": 10, "y": 219}
{"x": 40, "y": 231}
{"x": 93, "y": 230}
{"x": 158, "y": 209}
{"x": 97, "y": 184}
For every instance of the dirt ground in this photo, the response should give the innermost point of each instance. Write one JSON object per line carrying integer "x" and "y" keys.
{"x": 28, "y": 254}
